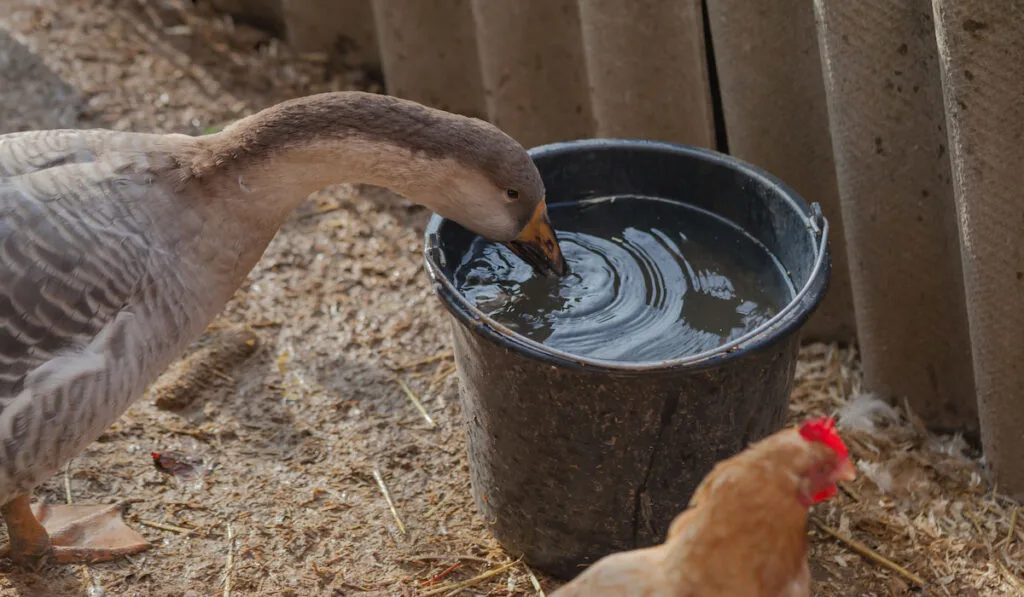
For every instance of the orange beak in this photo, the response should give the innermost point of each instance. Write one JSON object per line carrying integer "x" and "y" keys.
{"x": 537, "y": 243}
{"x": 845, "y": 471}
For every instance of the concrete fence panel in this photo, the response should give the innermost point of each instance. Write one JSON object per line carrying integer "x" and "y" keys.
{"x": 773, "y": 99}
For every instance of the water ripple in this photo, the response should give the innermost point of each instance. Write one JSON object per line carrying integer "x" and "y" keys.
{"x": 649, "y": 280}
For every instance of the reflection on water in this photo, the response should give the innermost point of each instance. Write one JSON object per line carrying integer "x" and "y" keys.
{"x": 649, "y": 280}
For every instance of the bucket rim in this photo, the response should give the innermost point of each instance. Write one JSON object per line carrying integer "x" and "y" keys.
{"x": 778, "y": 327}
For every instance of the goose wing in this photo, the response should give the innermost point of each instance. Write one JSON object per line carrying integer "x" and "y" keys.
{"x": 72, "y": 250}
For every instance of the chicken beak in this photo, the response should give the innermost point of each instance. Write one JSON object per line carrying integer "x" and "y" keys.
{"x": 538, "y": 245}
{"x": 845, "y": 471}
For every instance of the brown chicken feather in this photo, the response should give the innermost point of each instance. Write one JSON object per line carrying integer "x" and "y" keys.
{"x": 745, "y": 531}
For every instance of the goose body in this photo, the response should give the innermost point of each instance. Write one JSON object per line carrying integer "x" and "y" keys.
{"x": 105, "y": 275}
{"x": 118, "y": 249}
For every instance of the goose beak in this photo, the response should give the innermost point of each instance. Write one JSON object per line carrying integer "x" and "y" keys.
{"x": 537, "y": 244}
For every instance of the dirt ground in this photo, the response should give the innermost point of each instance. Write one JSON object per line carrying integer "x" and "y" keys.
{"x": 293, "y": 444}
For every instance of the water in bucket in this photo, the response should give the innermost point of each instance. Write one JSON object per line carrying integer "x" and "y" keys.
{"x": 649, "y": 280}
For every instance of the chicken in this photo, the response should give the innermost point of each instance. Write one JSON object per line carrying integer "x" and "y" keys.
{"x": 745, "y": 531}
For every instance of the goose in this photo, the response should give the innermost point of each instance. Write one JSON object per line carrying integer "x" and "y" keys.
{"x": 117, "y": 249}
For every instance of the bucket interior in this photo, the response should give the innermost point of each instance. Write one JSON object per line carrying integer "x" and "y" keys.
{"x": 762, "y": 206}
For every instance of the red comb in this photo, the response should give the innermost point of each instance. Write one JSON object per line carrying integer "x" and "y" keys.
{"x": 824, "y": 430}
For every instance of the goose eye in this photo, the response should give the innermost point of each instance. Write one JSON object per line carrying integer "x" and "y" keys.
{"x": 512, "y": 193}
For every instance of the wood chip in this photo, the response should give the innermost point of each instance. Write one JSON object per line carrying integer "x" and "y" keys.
{"x": 416, "y": 402}
{"x": 387, "y": 498}
{"x": 871, "y": 554}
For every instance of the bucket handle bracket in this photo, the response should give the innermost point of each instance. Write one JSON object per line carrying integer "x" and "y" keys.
{"x": 817, "y": 219}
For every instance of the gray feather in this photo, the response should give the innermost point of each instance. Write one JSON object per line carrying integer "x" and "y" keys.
{"x": 91, "y": 305}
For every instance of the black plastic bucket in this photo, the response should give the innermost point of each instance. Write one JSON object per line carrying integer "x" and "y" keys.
{"x": 571, "y": 458}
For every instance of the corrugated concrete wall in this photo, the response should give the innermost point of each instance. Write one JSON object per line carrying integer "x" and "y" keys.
{"x": 534, "y": 75}
{"x": 889, "y": 135}
{"x": 428, "y": 50}
{"x": 981, "y": 52}
{"x": 904, "y": 119}
{"x": 773, "y": 100}
{"x": 653, "y": 91}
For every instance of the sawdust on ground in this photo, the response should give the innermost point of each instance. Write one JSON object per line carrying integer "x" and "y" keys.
{"x": 294, "y": 443}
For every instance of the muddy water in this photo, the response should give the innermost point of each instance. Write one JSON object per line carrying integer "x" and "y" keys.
{"x": 649, "y": 280}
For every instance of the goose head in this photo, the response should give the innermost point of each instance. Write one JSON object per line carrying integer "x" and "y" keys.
{"x": 491, "y": 187}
